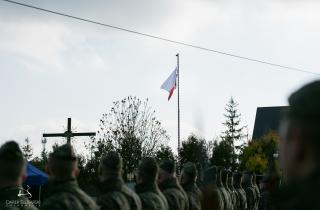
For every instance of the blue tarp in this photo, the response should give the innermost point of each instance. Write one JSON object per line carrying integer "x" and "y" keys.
{"x": 35, "y": 177}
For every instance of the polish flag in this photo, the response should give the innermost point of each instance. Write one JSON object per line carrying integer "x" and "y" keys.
{"x": 171, "y": 83}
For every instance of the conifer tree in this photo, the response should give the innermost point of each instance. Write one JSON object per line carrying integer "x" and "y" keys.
{"x": 27, "y": 150}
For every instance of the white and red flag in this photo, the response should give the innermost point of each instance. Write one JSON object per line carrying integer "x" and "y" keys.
{"x": 171, "y": 83}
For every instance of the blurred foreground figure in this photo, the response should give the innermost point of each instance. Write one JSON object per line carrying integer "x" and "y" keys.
{"x": 256, "y": 190}
{"x": 147, "y": 188}
{"x": 300, "y": 151}
{"x": 225, "y": 181}
{"x": 266, "y": 190}
{"x": 188, "y": 182}
{"x": 250, "y": 191}
{"x": 168, "y": 183}
{"x": 233, "y": 191}
{"x": 63, "y": 190}
{"x": 227, "y": 203}
{"x": 241, "y": 194}
{"x": 115, "y": 195}
{"x": 12, "y": 168}
{"x": 211, "y": 196}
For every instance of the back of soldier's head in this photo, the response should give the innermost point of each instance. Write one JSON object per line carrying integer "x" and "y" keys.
{"x": 300, "y": 133}
{"x": 111, "y": 163}
{"x": 169, "y": 166}
{"x": 224, "y": 175}
{"x": 210, "y": 175}
{"x": 304, "y": 114}
{"x": 238, "y": 178}
{"x": 247, "y": 178}
{"x": 190, "y": 171}
{"x": 254, "y": 178}
{"x": 148, "y": 169}
{"x": 11, "y": 162}
{"x": 62, "y": 162}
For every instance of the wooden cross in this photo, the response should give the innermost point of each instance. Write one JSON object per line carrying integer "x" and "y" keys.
{"x": 68, "y": 134}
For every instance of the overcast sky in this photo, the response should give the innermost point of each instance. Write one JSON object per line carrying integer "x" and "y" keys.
{"x": 53, "y": 67}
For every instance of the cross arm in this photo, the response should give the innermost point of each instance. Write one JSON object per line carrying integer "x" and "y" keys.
{"x": 84, "y": 134}
{"x": 53, "y": 135}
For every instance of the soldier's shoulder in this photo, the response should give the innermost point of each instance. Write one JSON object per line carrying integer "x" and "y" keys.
{"x": 113, "y": 200}
{"x": 171, "y": 191}
{"x": 131, "y": 195}
{"x": 174, "y": 193}
{"x": 151, "y": 200}
{"x": 126, "y": 190}
{"x": 69, "y": 200}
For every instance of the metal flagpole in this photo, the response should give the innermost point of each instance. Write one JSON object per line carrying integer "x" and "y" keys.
{"x": 178, "y": 75}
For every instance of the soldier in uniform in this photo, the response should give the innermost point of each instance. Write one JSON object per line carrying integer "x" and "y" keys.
{"x": 299, "y": 151}
{"x": 169, "y": 185}
{"x": 115, "y": 194}
{"x": 250, "y": 191}
{"x": 241, "y": 194}
{"x": 12, "y": 169}
{"x": 225, "y": 178}
{"x": 227, "y": 203}
{"x": 63, "y": 190}
{"x": 211, "y": 195}
{"x": 147, "y": 188}
{"x": 257, "y": 191}
{"x": 232, "y": 189}
{"x": 264, "y": 203}
{"x": 188, "y": 183}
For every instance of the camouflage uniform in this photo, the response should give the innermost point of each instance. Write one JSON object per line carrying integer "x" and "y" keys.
{"x": 257, "y": 192}
{"x": 151, "y": 197}
{"x": 211, "y": 196}
{"x": 11, "y": 154}
{"x": 188, "y": 183}
{"x": 9, "y": 200}
{"x": 241, "y": 198}
{"x": 233, "y": 195}
{"x": 194, "y": 195}
{"x": 240, "y": 193}
{"x": 175, "y": 195}
{"x": 227, "y": 202}
{"x": 64, "y": 193}
{"x": 250, "y": 192}
{"x": 67, "y": 195}
{"x": 116, "y": 195}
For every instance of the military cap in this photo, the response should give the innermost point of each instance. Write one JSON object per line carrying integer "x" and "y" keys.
{"x": 190, "y": 169}
{"x": 305, "y": 102}
{"x": 168, "y": 166}
{"x": 112, "y": 160}
{"x": 10, "y": 151}
{"x": 148, "y": 166}
{"x": 64, "y": 152}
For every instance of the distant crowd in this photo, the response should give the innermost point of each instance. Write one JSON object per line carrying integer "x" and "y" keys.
{"x": 159, "y": 186}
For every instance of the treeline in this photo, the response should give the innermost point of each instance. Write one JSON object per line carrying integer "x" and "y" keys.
{"x": 131, "y": 128}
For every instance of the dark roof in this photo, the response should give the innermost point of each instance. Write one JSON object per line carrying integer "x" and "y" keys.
{"x": 267, "y": 119}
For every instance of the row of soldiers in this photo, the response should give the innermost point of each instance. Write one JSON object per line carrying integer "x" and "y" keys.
{"x": 157, "y": 186}
{"x": 225, "y": 190}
